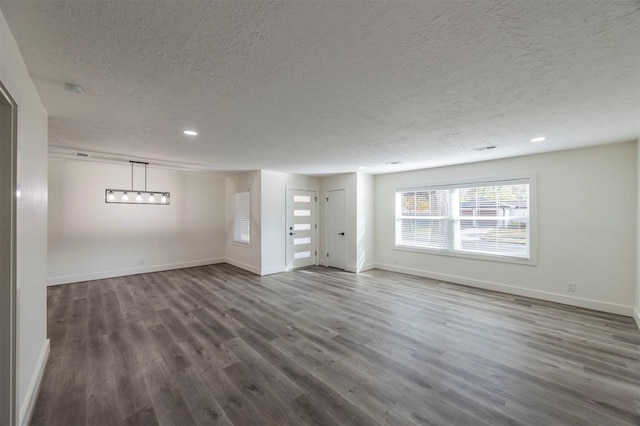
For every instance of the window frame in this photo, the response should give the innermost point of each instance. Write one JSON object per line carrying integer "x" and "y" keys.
{"x": 449, "y": 251}
{"x": 236, "y": 218}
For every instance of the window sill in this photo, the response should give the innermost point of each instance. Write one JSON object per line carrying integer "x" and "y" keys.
{"x": 468, "y": 255}
{"x": 240, "y": 244}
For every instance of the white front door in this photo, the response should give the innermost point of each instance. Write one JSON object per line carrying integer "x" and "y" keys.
{"x": 301, "y": 228}
{"x": 336, "y": 219}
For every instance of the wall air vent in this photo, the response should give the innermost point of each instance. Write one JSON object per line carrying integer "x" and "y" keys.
{"x": 484, "y": 148}
{"x": 81, "y": 154}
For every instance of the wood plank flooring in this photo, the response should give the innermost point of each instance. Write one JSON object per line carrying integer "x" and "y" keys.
{"x": 216, "y": 345}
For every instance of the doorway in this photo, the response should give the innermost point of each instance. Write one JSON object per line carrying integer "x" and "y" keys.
{"x": 301, "y": 228}
{"x": 336, "y": 224}
{"x": 8, "y": 187}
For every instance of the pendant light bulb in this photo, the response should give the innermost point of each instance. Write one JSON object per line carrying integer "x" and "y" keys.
{"x": 164, "y": 199}
{"x": 139, "y": 197}
{"x": 111, "y": 196}
{"x": 151, "y": 199}
{"x": 125, "y": 197}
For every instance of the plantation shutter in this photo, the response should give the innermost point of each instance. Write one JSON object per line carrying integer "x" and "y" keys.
{"x": 241, "y": 217}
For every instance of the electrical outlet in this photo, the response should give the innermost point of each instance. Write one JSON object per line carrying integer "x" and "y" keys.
{"x": 571, "y": 286}
{"x": 141, "y": 261}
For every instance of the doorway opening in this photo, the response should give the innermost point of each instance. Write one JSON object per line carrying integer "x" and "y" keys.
{"x": 8, "y": 194}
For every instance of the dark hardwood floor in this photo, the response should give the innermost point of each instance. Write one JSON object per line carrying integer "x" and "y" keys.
{"x": 217, "y": 345}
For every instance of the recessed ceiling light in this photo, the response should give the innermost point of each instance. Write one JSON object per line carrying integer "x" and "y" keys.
{"x": 393, "y": 162}
{"x": 191, "y": 133}
{"x": 539, "y": 139}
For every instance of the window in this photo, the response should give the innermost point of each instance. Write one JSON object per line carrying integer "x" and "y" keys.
{"x": 478, "y": 218}
{"x": 241, "y": 217}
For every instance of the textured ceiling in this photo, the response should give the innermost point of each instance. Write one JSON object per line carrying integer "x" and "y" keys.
{"x": 322, "y": 87}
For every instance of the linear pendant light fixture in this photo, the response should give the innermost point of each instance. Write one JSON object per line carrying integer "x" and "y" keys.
{"x": 132, "y": 196}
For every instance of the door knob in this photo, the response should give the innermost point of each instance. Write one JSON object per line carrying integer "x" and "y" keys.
{"x": 292, "y": 233}
{"x": 340, "y": 233}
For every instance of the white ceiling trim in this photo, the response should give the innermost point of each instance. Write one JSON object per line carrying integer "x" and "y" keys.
{"x": 107, "y": 158}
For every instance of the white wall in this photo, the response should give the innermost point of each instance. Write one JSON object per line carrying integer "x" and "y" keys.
{"x": 244, "y": 256}
{"x": 365, "y": 242}
{"x": 89, "y": 239}
{"x": 636, "y": 312}
{"x": 586, "y": 228}
{"x": 349, "y": 183}
{"x": 31, "y": 242}
{"x": 274, "y": 186}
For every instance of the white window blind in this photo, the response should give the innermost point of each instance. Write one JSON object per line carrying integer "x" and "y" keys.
{"x": 423, "y": 217}
{"x": 489, "y": 219}
{"x": 241, "y": 218}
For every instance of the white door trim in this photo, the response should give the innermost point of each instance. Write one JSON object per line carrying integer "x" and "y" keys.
{"x": 8, "y": 304}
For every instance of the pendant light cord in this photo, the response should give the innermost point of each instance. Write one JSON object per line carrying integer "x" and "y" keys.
{"x": 145, "y": 173}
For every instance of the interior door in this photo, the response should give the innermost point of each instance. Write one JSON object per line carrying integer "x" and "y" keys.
{"x": 336, "y": 221}
{"x": 301, "y": 228}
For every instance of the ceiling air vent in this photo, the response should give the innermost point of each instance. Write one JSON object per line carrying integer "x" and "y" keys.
{"x": 484, "y": 148}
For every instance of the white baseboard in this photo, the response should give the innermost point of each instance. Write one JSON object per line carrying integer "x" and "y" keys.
{"x": 130, "y": 271}
{"x": 274, "y": 270}
{"x": 359, "y": 268}
{"x": 26, "y": 410}
{"x": 636, "y": 316}
{"x": 243, "y": 265}
{"x": 505, "y": 288}
{"x": 366, "y": 267}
